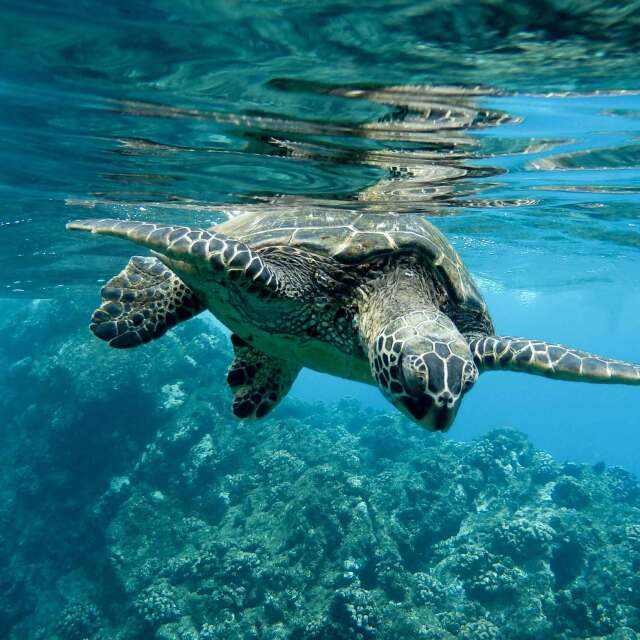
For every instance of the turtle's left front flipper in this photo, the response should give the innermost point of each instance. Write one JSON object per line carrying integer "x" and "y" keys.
{"x": 258, "y": 381}
{"x": 141, "y": 303}
{"x": 493, "y": 353}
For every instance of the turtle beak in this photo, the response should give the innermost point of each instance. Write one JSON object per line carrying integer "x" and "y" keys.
{"x": 444, "y": 417}
{"x": 416, "y": 409}
{"x": 433, "y": 415}
{"x": 432, "y": 408}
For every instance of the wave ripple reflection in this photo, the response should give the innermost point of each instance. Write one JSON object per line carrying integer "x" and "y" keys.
{"x": 507, "y": 126}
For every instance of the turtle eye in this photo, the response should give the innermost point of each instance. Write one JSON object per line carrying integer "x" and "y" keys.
{"x": 469, "y": 376}
{"x": 412, "y": 379}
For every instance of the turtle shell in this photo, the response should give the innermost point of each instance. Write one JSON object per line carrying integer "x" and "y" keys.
{"x": 353, "y": 238}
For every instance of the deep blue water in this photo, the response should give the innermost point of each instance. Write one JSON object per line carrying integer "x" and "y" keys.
{"x": 183, "y": 111}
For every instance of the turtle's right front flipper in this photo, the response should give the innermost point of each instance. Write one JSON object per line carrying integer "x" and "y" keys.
{"x": 493, "y": 353}
{"x": 207, "y": 251}
{"x": 141, "y": 303}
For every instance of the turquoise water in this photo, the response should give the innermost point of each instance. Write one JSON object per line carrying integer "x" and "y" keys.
{"x": 514, "y": 127}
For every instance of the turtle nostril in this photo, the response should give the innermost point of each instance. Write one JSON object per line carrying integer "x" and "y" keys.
{"x": 445, "y": 399}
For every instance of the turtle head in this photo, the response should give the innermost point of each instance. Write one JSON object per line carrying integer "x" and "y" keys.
{"x": 434, "y": 374}
{"x": 424, "y": 367}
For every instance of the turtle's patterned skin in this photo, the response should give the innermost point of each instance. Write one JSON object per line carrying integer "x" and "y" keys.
{"x": 258, "y": 381}
{"x": 382, "y": 299}
{"x": 437, "y": 357}
{"x": 193, "y": 246}
{"x": 141, "y": 303}
{"x": 551, "y": 360}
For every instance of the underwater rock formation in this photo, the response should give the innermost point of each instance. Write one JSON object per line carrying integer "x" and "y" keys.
{"x": 135, "y": 507}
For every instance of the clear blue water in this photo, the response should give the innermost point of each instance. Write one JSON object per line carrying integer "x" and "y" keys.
{"x": 182, "y": 111}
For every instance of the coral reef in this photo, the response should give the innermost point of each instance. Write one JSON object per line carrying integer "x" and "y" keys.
{"x": 77, "y": 621}
{"x": 157, "y": 604}
{"x": 134, "y": 507}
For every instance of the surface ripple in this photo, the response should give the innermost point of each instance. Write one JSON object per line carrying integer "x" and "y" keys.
{"x": 513, "y": 127}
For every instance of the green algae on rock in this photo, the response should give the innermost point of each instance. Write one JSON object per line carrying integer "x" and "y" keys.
{"x": 173, "y": 522}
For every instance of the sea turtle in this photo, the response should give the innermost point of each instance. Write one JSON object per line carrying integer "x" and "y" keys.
{"x": 382, "y": 299}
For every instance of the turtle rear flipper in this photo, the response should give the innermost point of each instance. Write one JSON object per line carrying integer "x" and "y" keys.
{"x": 492, "y": 353}
{"x": 258, "y": 381}
{"x": 141, "y": 303}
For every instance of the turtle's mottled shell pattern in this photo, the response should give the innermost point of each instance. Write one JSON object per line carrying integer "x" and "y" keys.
{"x": 352, "y": 238}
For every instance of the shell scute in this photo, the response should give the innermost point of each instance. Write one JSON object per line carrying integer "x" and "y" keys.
{"x": 353, "y": 238}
